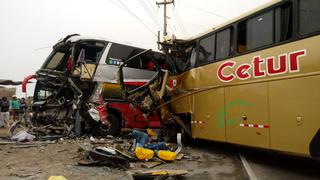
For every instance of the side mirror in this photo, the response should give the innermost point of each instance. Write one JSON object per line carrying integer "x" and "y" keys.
{"x": 140, "y": 78}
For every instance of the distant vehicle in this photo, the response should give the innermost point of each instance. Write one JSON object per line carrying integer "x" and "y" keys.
{"x": 253, "y": 81}
{"x": 77, "y": 87}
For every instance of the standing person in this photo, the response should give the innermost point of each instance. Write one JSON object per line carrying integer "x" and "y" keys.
{"x": 1, "y": 121}
{"x": 15, "y": 107}
{"x": 23, "y": 110}
{"x": 4, "y": 116}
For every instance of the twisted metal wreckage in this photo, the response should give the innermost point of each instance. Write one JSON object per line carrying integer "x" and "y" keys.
{"x": 97, "y": 86}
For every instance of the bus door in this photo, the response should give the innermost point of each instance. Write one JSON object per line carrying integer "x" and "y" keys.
{"x": 247, "y": 111}
{"x": 247, "y": 120}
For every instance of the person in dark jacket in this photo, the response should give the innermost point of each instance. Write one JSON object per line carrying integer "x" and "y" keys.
{"x": 4, "y": 114}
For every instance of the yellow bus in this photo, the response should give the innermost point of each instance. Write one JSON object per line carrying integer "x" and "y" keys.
{"x": 255, "y": 80}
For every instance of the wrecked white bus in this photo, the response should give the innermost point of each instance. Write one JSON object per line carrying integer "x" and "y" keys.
{"x": 252, "y": 81}
{"x": 77, "y": 89}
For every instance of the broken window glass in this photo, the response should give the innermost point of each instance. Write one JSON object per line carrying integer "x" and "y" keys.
{"x": 193, "y": 57}
{"x": 89, "y": 52}
{"x": 206, "y": 50}
{"x": 56, "y": 60}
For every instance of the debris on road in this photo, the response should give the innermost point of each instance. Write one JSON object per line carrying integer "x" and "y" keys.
{"x": 23, "y": 136}
{"x": 27, "y": 146}
{"x": 144, "y": 154}
{"x": 147, "y": 146}
{"x": 165, "y": 173}
{"x": 150, "y": 164}
{"x": 101, "y": 156}
{"x": 138, "y": 149}
{"x": 115, "y": 153}
{"x": 180, "y": 156}
{"x": 166, "y": 155}
{"x": 57, "y": 178}
{"x": 6, "y": 142}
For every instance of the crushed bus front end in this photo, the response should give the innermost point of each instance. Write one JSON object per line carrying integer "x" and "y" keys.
{"x": 77, "y": 89}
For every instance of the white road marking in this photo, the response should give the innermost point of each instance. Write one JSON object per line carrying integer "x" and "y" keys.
{"x": 247, "y": 167}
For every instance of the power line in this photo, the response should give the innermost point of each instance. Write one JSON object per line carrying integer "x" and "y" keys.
{"x": 179, "y": 20}
{"x": 155, "y": 11}
{"x": 204, "y": 10}
{"x": 170, "y": 26}
{"x": 157, "y": 16}
{"x": 125, "y": 8}
{"x": 137, "y": 17}
{"x": 150, "y": 13}
{"x": 40, "y": 48}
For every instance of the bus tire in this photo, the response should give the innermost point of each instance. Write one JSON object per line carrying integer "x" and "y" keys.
{"x": 113, "y": 128}
{"x": 186, "y": 139}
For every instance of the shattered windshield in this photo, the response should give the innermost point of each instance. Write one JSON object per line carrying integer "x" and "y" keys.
{"x": 55, "y": 60}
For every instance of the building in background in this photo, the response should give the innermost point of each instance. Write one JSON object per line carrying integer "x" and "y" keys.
{"x": 8, "y": 91}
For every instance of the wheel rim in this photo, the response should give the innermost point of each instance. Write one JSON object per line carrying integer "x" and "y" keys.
{"x": 106, "y": 128}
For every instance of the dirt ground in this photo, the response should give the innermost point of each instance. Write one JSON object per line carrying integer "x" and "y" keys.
{"x": 214, "y": 161}
{"x": 61, "y": 158}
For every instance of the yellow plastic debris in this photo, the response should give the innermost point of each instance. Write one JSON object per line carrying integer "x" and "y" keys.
{"x": 57, "y": 178}
{"x": 167, "y": 155}
{"x": 143, "y": 154}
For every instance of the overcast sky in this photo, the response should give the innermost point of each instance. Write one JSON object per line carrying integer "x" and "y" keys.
{"x": 29, "y": 27}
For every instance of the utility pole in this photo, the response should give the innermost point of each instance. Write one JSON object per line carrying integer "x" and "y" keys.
{"x": 165, "y": 3}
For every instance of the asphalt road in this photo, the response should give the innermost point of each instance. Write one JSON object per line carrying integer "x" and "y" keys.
{"x": 250, "y": 163}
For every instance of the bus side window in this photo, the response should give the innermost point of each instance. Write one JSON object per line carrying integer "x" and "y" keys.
{"x": 309, "y": 16}
{"x": 121, "y": 52}
{"x": 193, "y": 57}
{"x": 259, "y": 31}
{"x": 206, "y": 50}
{"x": 223, "y": 48}
{"x": 283, "y": 23}
{"x": 242, "y": 37}
{"x": 265, "y": 29}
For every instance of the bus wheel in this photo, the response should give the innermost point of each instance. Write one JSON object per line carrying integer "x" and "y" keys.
{"x": 186, "y": 139}
{"x": 113, "y": 128}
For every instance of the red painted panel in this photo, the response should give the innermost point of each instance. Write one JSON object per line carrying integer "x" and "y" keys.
{"x": 133, "y": 117}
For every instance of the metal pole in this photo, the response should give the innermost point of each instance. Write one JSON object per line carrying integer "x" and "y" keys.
{"x": 165, "y": 3}
{"x": 165, "y": 18}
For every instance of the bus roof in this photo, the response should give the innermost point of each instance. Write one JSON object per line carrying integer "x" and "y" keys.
{"x": 88, "y": 38}
{"x": 235, "y": 19}
{"x": 74, "y": 38}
